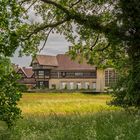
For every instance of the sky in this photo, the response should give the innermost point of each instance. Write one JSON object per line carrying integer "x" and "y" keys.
{"x": 56, "y": 44}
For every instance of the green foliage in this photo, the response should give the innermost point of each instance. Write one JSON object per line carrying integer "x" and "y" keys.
{"x": 10, "y": 21}
{"x": 100, "y": 126}
{"x": 54, "y": 86}
{"x": 105, "y": 32}
{"x": 9, "y": 93}
{"x": 127, "y": 91}
{"x": 23, "y": 88}
{"x": 10, "y": 18}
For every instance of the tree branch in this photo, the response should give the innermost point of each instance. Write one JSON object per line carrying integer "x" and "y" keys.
{"x": 89, "y": 21}
{"x": 31, "y": 5}
{"x": 59, "y": 6}
{"x": 42, "y": 27}
{"x": 72, "y": 5}
{"x": 46, "y": 40}
{"x": 102, "y": 49}
{"x": 97, "y": 38}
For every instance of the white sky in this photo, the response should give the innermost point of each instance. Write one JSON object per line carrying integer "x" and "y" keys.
{"x": 56, "y": 44}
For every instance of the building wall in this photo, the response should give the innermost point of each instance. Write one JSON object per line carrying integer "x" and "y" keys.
{"x": 100, "y": 81}
{"x": 59, "y": 83}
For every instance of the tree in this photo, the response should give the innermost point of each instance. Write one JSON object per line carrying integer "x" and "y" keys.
{"x": 9, "y": 88}
{"x": 106, "y": 32}
{"x": 9, "y": 93}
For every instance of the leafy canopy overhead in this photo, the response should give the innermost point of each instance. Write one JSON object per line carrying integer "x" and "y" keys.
{"x": 105, "y": 32}
{"x": 90, "y": 26}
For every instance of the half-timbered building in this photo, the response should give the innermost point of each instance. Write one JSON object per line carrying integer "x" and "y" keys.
{"x": 60, "y": 72}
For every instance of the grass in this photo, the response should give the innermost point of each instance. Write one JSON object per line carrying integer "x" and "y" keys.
{"x": 72, "y": 117}
{"x": 66, "y": 103}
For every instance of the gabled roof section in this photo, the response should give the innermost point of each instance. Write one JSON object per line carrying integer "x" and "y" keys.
{"x": 65, "y": 63}
{"x": 28, "y": 71}
{"x": 21, "y": 71}
{"x": 46, "y": 60}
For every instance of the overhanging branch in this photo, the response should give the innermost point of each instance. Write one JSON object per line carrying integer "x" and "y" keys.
{"x": 45, "y": 40}
{"x": 31, "y": 5}
{"x": 90, "y": 21}
{"x": 59, "y": 6}
{"x": 102, "y": 49}
{"x": 72, "y": 5}
{"x": 43, "y": 27}
{"x": 96, "y": 40}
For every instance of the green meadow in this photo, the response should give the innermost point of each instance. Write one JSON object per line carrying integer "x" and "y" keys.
{"x": 71, "y": 116}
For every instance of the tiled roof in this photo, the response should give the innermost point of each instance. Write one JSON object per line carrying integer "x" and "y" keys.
{"x": 63, "y": 62}
{"x": 27, "y": 81}
{"x": 28, "y": 71}
{"x": 47, "y": 60}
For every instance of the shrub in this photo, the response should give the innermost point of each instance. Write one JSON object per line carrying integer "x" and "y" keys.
{"x": 9, "y": 93}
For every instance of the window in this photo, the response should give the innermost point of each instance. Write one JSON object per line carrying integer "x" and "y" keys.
{"x": 64, "y": 85}
{"x": 110, "y": 77}
{"x": 71, "y": 85}
{"x": 79, "y": 85}
{"x": 90, "y": 74}
{"x": 78, "y": 74}
{"x": 54, "y": 74}
{"x": 70, "y": 74}
{"x": 41, "y": 73}
{"x": 47, "y": 72}
{"x": 63, "y": 74}
{"x": 41, "y": 83}
{"x": 87, "y": 85}
{"x": 93, "y": 74}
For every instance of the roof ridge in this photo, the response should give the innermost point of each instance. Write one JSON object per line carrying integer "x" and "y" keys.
{"x": 45, "y": 55}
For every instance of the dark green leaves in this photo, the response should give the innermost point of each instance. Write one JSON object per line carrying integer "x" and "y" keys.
{"x": 9, "y": 93}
